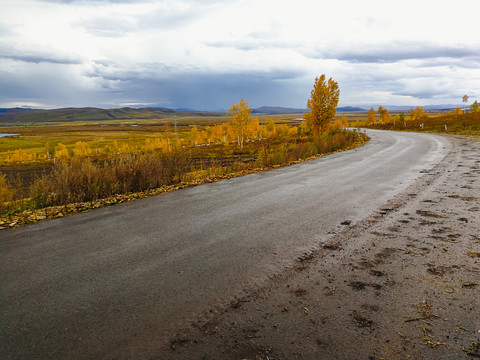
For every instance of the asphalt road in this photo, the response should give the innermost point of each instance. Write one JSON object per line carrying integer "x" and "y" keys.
{"x": 118, "y": 282}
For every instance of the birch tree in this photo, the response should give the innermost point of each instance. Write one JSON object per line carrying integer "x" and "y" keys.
{"x": 322, "y": 104}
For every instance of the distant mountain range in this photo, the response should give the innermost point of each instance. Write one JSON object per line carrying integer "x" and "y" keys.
{"x": 20, "y": 115}
{"x": 31, "y": 116}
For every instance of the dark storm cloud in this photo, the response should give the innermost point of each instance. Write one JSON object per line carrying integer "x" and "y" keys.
{"x": 164, "y": 86}
{"x": 51, "y": 84}
{"x": 210, "y": 91}
{"x": 106, "y": 84}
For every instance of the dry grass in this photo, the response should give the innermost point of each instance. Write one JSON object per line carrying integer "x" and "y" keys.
{"x": 83, "y": 179}
{"x": 464, "y": 124}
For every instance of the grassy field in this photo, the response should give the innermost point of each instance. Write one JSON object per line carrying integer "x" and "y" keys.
{"x": 448, "y": 123}
{"x": 41, "y": 138}
{"x": 72, "y": 162}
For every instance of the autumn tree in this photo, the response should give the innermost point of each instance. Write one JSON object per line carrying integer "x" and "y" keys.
{"x": 225, "y": 133}
{"x": 305, "y": 127}
{"x": 337, "y": 124}
{"x": 396, "y": 119}
{"x": 194, "y": 136}
{"x": 387, "y": 118}
{"x": 62, "y": 152}
{"x": 344, "y": 121}
{"x": 49, "y": 149}
{"x": 253, "y": 128}
{"x": 411, "y": 114}
{"x": 465, "y": 99}
{"x": 381, "y": 112}
{"x": 240, "y": 117}
{"x": 208, "y": 134}
{"x": 270, "y": 127}
{"x": 322, "y": 103}
{"x": 418, "y": 114}
{"x": 371, "y": 116}
{"x": 81, "y": 149}
{"x": 474, "y": 107}
{"x": 457, "y": 111}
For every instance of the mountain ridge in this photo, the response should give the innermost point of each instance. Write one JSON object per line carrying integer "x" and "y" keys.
{"x": 28, "y": 115}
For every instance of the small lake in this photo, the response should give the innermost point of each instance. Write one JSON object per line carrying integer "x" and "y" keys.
{"x": 5, "y": 135}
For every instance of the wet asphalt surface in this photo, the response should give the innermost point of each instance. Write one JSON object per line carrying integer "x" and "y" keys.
{"x": 119, "y": 281}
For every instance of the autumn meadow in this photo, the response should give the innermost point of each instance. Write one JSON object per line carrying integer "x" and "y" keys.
{"x": 56, "y": 161}
{"x": 69, "y": 160}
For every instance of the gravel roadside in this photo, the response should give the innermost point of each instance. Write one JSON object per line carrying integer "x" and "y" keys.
{"x": 403, "y": 284}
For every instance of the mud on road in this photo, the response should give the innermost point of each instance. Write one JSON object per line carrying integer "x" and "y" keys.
{"x": 402, "y": 284}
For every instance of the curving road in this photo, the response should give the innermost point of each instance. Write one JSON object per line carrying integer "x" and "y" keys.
{"x": 120, "y": 281}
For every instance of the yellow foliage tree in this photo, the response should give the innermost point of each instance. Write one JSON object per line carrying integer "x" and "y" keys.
{"x": 217, "y": 133}
{"x": 240, "y": 117}
{"x": 270, "y": 127}
{"x": 253, "y": 129}
{"x": 49, "y": 150}
{"x": 305, "y": 127}
{"x": 322, "y": 104}
{"x": 208, "y": 134}
{"x": 194, "y": 136}
{"x": 282, "y": 130}
{"x": 474, "y": 107}
{"x": 396, "y": 119}
{"x": 226, "y": 131}
{"x": 387, "y": 118}
{"x": 62, "y": 152}
{"x": 17, "y": 156}
{"x": 371, "y": 116}
{"x": 458, "y": 111}
{"x": 381, "y": 112}
{"x": 81, "y": 149}
{"x": 419, "y": 114}
{"x": 337, "y": 124}
{"x": 344, "y": 121}
{"x": 157, "y": 144}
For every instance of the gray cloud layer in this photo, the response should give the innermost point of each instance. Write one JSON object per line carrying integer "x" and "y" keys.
{"x": 408, "y": 51}
{"x": 36, "y": 59}
{"x": 116, "y": 52}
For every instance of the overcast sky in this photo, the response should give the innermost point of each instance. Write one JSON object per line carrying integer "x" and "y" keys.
{"x": 206, "y": 54}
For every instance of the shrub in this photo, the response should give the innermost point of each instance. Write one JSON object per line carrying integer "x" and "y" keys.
{"x": 78, "y": 181}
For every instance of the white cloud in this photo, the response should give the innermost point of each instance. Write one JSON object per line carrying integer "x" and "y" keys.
{"x": 114, "y": 51}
